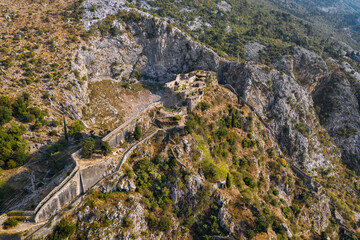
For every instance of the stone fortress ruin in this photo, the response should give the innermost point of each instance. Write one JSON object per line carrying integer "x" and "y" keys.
{"x": 187, "y": 89}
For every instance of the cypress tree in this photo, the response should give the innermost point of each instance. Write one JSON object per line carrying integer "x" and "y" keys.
{"x": 137, "y": 132}
{"x": 65, "y": 131}
{"x": 228, "y": 181}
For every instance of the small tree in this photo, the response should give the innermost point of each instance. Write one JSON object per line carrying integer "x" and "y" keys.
{"x": 64, "y": 230}
{"x": 65, "y": 131}
{"x": 53, "y": 133}
{"x": 11, "y": 164}
{"x": 38, "y": 124}
{"x": 137, "y": 132}
{"x": 5, "y": 115}
{"x": 228, "y": 181}
{"x": 89, "y": 147}
{"x": 105, "y": 147}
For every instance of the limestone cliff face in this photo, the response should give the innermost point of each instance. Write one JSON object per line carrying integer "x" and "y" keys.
{"x": 286, "y": 106}
{"x": 339, "y": 112}
{"x": 281, "y": 95}
{"x": 152, "y": 46}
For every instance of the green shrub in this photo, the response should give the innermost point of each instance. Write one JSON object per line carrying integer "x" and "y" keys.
{"x": 9, "y": 62}
{"x": 64, "y": 230}
{"x": 76, "y": 127}
{"x": 137, "y": 132}
{"x": 137, "y": 74}
{"x": 177, "y": 118}
{"x": 276, "y": 192}
{"x": 172, "y": 162}
{"x": 222, "y": 133}
{"x": 127, "y": 222}
{"x": 152, "y": 222}
{"x": 249, "y": 181}
{"x": 203, "y": 106}
{"x": 249, "y": 233}
{"x": 105, "y": 147}
{"x": 296, "y": 209}
{"x": 13, "y": 147}
{"x": 211, "y": 171}
{"x": 93, "y": 8}
{"x": 248, "y": 143}
{"x": 165, "y": 223}
{"x": 274, "y": 166}
{"x": 262, "y": 223}
{"x": 38, "y": 124}
{"x": 5, "y": 115}
{"x": 53, "y": 133}
{"x": 11, "y": 222}
{"x": 46, "y": 96}
{"x": 277, "y": 227}
{"x": 303, "y": 128}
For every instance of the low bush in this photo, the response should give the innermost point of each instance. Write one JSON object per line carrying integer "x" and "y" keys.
{"x": 11, "y": 222}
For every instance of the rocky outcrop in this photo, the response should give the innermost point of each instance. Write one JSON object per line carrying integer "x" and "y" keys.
{"x": 121, "y": 216}
{"x": 225, "y": 218}
{"x": 252, "y": 50}
{"x": 118, "y": 182}
{"x": 339, "y": 112}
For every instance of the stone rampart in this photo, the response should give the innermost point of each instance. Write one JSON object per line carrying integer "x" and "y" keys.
{"x": 61, "y": 198}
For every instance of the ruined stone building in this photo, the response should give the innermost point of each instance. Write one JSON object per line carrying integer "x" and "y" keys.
{"x": 185, "y": 90}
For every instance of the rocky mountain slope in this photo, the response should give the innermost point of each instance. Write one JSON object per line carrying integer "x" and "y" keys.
{"x": 175, "y": 186}
{"x": 297, "y": 104}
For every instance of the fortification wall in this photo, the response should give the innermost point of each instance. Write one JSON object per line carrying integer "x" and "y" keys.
{"x": 117, "y": 136}
{"x": 91, "y": 175}
{"x": 61, "y": 198}
{"x": 193, "y": 102}
{"x": 120, "y": 137}
{"x": 80, "y": 182}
